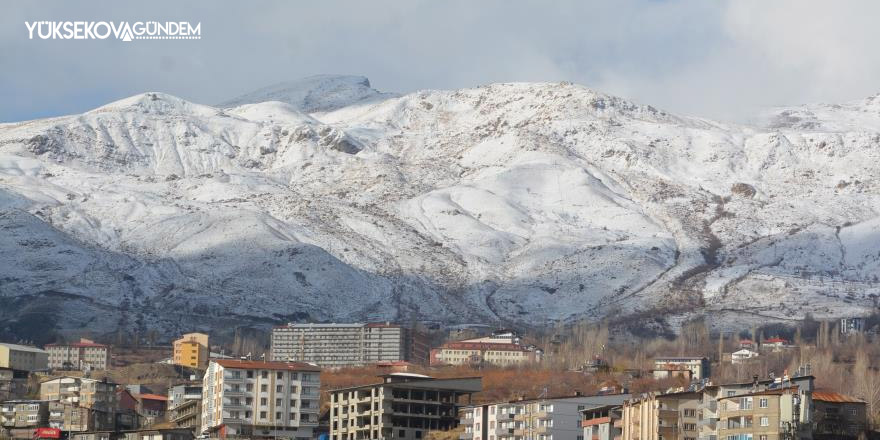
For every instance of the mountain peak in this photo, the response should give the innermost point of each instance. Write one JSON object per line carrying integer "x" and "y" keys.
{"x": 312, "y": 94}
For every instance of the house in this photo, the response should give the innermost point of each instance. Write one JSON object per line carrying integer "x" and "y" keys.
{"x": 257, "y": 399}
{"x": 837, "y": 416}
{"x": 741, "y": 356}
{"x": 775, "y": 344}
{"x": 540, "y": 418}
{"x": 697, "y": 365}
{"x": 151, "y": 406}
{"x": 23, "y": 357}
{"x": 83, "y": 355}
{"x": 402, "y": 406}
{"x": 747, "y": 344}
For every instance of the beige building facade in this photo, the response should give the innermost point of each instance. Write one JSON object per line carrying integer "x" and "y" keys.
{"x": 23, "y": 357}
{"x": 260, "y": 399}
{"x": 191, "y": 350}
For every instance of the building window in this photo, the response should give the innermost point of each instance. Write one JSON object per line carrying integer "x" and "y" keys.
{"x": 279, "y": 375}
{"x": 852, "y": 411}
{"x": 264, "y": 388}
{"x": 765, "y": 421}
{"x": 263, "y": 415}
{"x": 264, "y": 374}
{"x": 264, "y": 401}
{"x": 763, "y": 403}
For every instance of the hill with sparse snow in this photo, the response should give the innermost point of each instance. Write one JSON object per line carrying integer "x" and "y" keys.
{"x": 323, "y": 199}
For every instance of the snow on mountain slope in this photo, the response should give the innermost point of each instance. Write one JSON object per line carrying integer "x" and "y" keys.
{"x": 522, "y": 203}
{"x": 318, "y": 93}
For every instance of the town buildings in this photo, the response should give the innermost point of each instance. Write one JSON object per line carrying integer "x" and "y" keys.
{"x": 504, "y": 348}
{"x": 402, "y": 406}
{"x": 184, "y": 392}
{"x": 671, "y": 416}
{"x": 79, "y": 391}
{"x": 23, "y": 357}
{"x": 191, "y": 350}
{"x": 673, "y": 366}
{"x": 836, "y": 416}
{"x": 82, "y": 355}
{"x": 260, "y": 399}
{"x": 538, "y": 419}
{"x": 338, "y": 345}
{"x": 24, "y": 414}
{"x": 852, "y": 325}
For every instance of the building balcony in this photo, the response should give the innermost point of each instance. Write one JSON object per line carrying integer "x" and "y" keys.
{"x": 503, "y": 431}
{"x": 234, "y": 392}
{"x": 668, "y": 414}
{"x": 466, "y": 436}
{"x": 309, "y": 409}
{"x": 466, "y": 421}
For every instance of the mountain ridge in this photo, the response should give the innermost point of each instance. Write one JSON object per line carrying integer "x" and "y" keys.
{"x": 524, "y": 203}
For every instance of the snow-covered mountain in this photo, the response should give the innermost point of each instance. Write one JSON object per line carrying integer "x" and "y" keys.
{"x": 324, "y": 199}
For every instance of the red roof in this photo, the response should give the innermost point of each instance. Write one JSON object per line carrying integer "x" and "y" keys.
{"x": 260, "y": 365}
{"x": 775, "y": 341}
{"x": 831, "y": 396}
{"x": 500, "y": 346}
{"x": 150, "y": 397}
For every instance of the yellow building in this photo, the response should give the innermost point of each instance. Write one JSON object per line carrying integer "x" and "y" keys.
{"x": 23, "y": 357}
{"x": 191, "y": 350}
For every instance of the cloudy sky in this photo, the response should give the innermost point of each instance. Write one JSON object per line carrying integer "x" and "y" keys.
{"x": 717, "y": 59}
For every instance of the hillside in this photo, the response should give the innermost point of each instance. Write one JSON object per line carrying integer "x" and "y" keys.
{"x": 519, "y": 203}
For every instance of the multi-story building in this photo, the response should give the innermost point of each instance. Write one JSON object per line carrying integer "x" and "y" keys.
{"x": 852, "y": 325}
{"x": 836, "y": 416}
{"x": 82, "y": 392}
{"x": 191, "y": 350}
{"x": 23, "y": 357}
{"x": 602, "y": 423}
{"x": 187, "y": 415}
{"x": 770, "y": 414}
{"x": 671, "y": 416}
{"x": 338, "y": 345}
{"x": 260, "y": 399}
{"x": 667, "y": 366}
{"x": 74, "y": 418}
{"x": 402, "y": 406}
{"x": 24, "y": 414}
{"x": 82, "y": 355}
{"x": 184, "y": 392}
{"x": 13, "y": 384}
{"x": 498, "y": 349}
{"x": 537, "y": 419}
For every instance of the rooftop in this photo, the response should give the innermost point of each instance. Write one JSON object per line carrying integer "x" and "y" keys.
{"x": 261, "y": 365}
{"x": 18, "y": 347}
{"x": 833, "y": 397}
{"x": 150, "y": 396}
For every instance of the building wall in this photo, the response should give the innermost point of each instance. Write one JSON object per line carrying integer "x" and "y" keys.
{"x": 77, "y": 356}
{"x": 256, "y": 401}
{"x": 192, "y": 351}
{"x": 336, "y": 345}
{"x": 839, "y": 419}
{"x": 19, "y": 357}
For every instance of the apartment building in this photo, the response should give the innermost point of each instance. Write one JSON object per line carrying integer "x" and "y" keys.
{"x": 763, "y": 415}
{"x": 536, "y": 419}
{"x": 498, "y": 349}
{"x": 24, "y": 414}
{"x": 671, "y": 416}
{"x": 82, "y": 355}
{"x": 260, "y": 399}
{"x": 602, "y": 423}
{"x": 82, "y": 392}
{"x": 338, "y": 345}
{"x": 23, "y": 357}
{"x": 402, "y": 406}
{"x": 187, "y": 415}
{"x": 13, "y": 384}
{"x": 698, "y": 367}
{"x": 74, "y": 418}
{"x": 837, "y": 416}
{"x": 182, "y": 393}
{"x": 191, "y": 350}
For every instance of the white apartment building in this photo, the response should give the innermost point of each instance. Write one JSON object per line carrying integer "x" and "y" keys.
{"x": 337, "y": 345}
{"x": 82, "y": 355}
{"x": 537, "y": 419}
{"x": 260, "y": 399}
{"x": 669, "y": 366}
